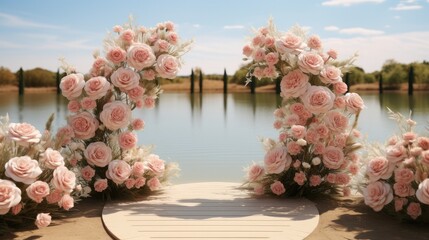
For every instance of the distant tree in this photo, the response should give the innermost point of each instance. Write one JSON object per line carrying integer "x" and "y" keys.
{"x": 357, "y": 75}
{"x": 395, "y": 76}
{"x": 39, "y": 77}
{"x": 239, "y": 77}
{"x": 7, "y": 77}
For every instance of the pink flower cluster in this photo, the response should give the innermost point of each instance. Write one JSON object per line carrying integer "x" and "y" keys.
{"x": 34, "y": 171}
{"x": 315, "y": 151}
{"x": 398, "y": 180}
{"x": 101, "y": 105}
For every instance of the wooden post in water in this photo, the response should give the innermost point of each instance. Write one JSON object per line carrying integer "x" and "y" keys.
{"x": 278, "y": 89}
{"x": 252, "y": 85}
{"x": 201, "y": 81}
{"x": 380, "y": 83}
{"x": 192, "y": 81}
{"x": 410, "y": 80}
{"x": 225, "y": 82}
{"x": 21, "y": 84}
{"x": 58, "y": 82}
{"x": 347, "y": 81}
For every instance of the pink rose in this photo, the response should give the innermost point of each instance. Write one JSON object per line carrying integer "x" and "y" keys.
{"x": 172, "y": 38}
{"x": 333, "y": 157}
{"x": 258, "y": 55}
{"x": 314, "y": 42}
{"x": 43, "y": 220}
{"x": 127, "y": 36}
{"x": 271, "y": 72}
{"x": 297, "y": 164}
{"x": 64, "y": 179}
{"x": 294, "y": 84}
{"x": 330, "y": 178}
{"x": 125, "y": 79}
{"x": 340, "y": 88}
{"x": 138, "y": 169}
{"x": 149, "y": 102}
{"x": 127, "y": 140}
{"x": 404, "y": 175}
{"x": 290, "y": 43}
{"x": 136, "y": 93}
{"x": 414, "y": 210}
{"x": 154, "y": 184}
{"x": 315, "y": 180}
{"x": 72, "y": 85}
{"x": 247, "y": 50}
{"x": 115, "y": 115}
{"x": 379, "y": 168}
{"x": 330, "y": 75}
{"x": 258, "y": 73}
{"x": 149, "y": 75}
{"x": 22, "y": 169}
{"x": 354, "y": 102}
{"x": 23, "y": 133}
{"x": 277, "y": 188}
{"x": 137, "y": 124}
{"x": 129, "y": 183}
{"x": 117, "y": 28}
{"x": 425, "y": 157}
{"x": 318, "y": 99}
{"x": 332, "y": 54}
{"x": 100, "y": 185}
{"x": 422, "y": 193}
{"x": 16, "y": 209}
{"x": 55, "y": 196}
{"x": 340, "y": 102}
{"x": 336, "y": 121}
{"x": 353, "y": 169}
{"x": 140, "y": 56}
{"x": 155, "y": 164}
{"x": 298, "y": 131}
{"x": 52, "y": 158}
{"x": 10, "y": 196}
{"x": 140, "y": 182}
{"x": 377, "y": 195}
{"x": 116, "y": 55}
{"x": 258, "y": 189}
{"x": 322, "y": 130}
{"x": 73, "y": 106}
{"x": 97, "y": 87}
{"x": 254, "y": 173}
{"x": 65, "y": 134}
{"x": 310, "y": 62}
{"x": 396, "y": 153}
{"x": 300, "y": 178}
{"x": 399, "y": 203}
{"x": 416, "y": 151}
{"x": 169, "y": 26}
{"x": 277, "y": 160}
{"x": 423, "y": 142}
{"x": 66, "y": 202}
{"x": 88, "y": 103}
{"x": 37, "y": 191}
{"x": 297, "y": 108}
{"x": 84, "y": 125}
{"x": 87, "y": 173}
{"x": 342, "y": 179}
{"x": 98, "y": 154}
{"x": 403, "y": 189}
{"x": 118, "y": 171}
{"x": 258, "y": 40}
{"x": 293, "y": 148}
{"x": 98, "y": 64}
{"x": 167, "y": 66}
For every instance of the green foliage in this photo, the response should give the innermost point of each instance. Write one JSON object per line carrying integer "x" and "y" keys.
{"x": 357, "y": 75}
{"x": 39, "y": 77}
{"x": 7, "y": 77}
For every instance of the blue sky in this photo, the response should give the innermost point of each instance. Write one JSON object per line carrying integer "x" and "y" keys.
{"x": 37, "y": 33}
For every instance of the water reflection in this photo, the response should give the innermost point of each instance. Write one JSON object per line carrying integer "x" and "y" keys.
{"x": 215, "y": 142}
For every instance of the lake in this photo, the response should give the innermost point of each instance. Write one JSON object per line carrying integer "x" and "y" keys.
{"x": 214, "y": 136}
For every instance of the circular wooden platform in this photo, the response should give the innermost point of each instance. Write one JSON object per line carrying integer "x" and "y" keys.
{"x": 210, "y": 210}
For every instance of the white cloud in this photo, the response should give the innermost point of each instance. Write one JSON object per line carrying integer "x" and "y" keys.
{"x": 354, "y": 31}
{"x": 360, "y": 31}
{"x": 348, "y": 3}
{"x": 196, "y": 25}
{"x": 14, "y": 21}
{"x": 331, "y": 28}
{"x": 233, "y": 27}
{"x": 406, "y": 6}
{"x": 375, "y": 50}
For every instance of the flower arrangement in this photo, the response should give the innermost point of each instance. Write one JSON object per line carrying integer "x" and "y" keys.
{"x": 34, "y": 178}
{"x": 316, "y": 149}
{"x": 100, "y": 136}
{"x": 396, "y": 176}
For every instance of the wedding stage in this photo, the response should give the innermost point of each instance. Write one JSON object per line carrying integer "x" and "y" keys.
{"x": 210, "y": 210}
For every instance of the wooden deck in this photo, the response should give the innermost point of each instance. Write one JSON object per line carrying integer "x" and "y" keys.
{"x": 211, "y": 210}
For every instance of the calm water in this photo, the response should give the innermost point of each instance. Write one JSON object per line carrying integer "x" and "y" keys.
{"x": 212, "y": 136}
